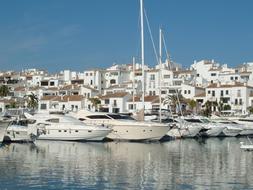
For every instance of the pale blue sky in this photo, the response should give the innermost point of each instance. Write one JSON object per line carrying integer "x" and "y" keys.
{"x": 82, "y": 34}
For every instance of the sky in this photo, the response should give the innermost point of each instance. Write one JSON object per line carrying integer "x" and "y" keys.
{"x": 85, "y": 34}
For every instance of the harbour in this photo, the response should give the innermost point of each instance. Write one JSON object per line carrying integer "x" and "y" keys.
{"x": 213, "y": 163}
{"x": 80, "y": 109}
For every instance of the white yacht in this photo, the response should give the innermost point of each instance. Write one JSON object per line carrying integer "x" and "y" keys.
{"x": 211, "y": 129}
{"x": 247, "y": 125}
{"x": 22, "y": 130}
{"x": 4, "y": 123}
{"x": 124, "y": 127}
{"x": 232, "y": 128}
{"x": 63, "y": 127}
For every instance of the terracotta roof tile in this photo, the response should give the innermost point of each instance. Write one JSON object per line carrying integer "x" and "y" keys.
{"x": 114, "y": 95}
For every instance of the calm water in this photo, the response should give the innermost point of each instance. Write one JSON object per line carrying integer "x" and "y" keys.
{"x": 180, "y": 164}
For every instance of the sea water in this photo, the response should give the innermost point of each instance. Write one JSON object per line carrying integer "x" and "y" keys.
{"x": 212, "y": 163}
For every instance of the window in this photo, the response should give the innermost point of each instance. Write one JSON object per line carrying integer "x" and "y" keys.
{"x": 226, "y": 92}
{"x": 152, "y": 77}
{"x": 59, "y": 130}
{"x": 91, "y": 82}
{"x": 90, "y": 74}
{"x": 98, "y": 117}
{"x": 213, "y": 93}
{"x": 236, "y": 101}
{"x": 65, "y": 131}
{"x": 163, "y": 92}
{"x": 238, "y": 93}
{"x": 231, "y": 78}
{"x": 112, "y": 81}
{"x": 172, "y": 91}
{"x": 197, "y": 75}
{"x": 166, "y": 76}
{"x": 185, "y": 91}
{"x": 236, "y": 78}
{"x": 115, "y": 102}
{"x": 209, "y": 92}
{"x": 53, "y": 120}
{"x": 213, "y": 74}
{"x": 51, "y": 83}
{"x": 76, "y": 131}
{"x": 107, "y": 101}
{"x": 118, "y": 116}
{"x": 221, "y": 92}
{"x": 189, "y": 92}
{"x": 240, "y": 101}
{"x": 130, "y": 106}
{"x": 43, "y": 106}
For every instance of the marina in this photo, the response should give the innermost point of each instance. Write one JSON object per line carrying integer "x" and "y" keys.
{"x": 84, "y": 105}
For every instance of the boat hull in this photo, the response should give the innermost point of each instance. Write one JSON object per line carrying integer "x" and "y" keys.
{"x": 137, "y": 133}
{"x": 3, "y": 127}
{"x": 74, "y": 134}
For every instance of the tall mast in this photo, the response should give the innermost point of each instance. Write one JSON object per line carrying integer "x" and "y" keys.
{"x": 160, "y": 77}
{"x": 133, "y": 80}
{"x": 142, "y": 54}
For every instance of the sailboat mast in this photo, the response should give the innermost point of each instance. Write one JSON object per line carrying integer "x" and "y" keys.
{"x": 133, "y": 80}
{"x": 142, "y": 53}
{"x": 160, "y": 77}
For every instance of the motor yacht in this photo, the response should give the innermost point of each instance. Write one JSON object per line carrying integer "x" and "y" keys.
{"x": 64, "y": 127}
{"x": 22, "y": 130}
{"x": 4, "y": 123}
{"x": 232, "y": 128}
{"x": 246, "y": 124}
{"x": 124, "y": 127}
{"x": 210, "y": 129}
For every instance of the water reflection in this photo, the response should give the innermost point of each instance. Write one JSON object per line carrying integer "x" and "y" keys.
{"x": 181, "y": 164}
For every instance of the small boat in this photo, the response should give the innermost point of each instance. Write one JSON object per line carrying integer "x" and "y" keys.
{"x": 246, "y": 146}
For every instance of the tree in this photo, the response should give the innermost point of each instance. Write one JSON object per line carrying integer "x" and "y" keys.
{"x": 250, "y": 109}
{"x": 95, "y": 102}
{"x": 220, "y": 106}
{"x": 31, "y": 100}
{"x": 227, "y": 107}
{"x": 192, "y": 104}
{"x": 208, "y": 108}
{"x": 4, "y": 91}
{"x": 174, "y": 100}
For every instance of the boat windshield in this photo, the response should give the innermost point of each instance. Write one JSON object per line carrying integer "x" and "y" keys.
{"x": 205, "y": 120}
{"x": 193, "y": 120}
{"x": 116, "y": 116}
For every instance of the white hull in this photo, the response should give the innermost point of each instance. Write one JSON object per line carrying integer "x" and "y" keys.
{"x": 16, "y": 133}
{"x": 231, "y": 132}
{"x": 246, "y": 131}
{"x": 3, "y": 127}
{"x": 74, "y": 134}
{"x": 184, "y": 131}
{"x": 137, "y": 133}
{"x": 214, "y": 131}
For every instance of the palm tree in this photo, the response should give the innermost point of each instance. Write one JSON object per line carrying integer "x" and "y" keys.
{"x": 32, "y": 100}
{"x": 192, "y": 104}
{"x": 174, "y": 100}
{"x": 95, "y": 102}
{"x": 4, "y": 91}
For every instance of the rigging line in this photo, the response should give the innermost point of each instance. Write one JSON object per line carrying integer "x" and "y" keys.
{"x": 166, "y": 50}
{"x": 151, "y": 37}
